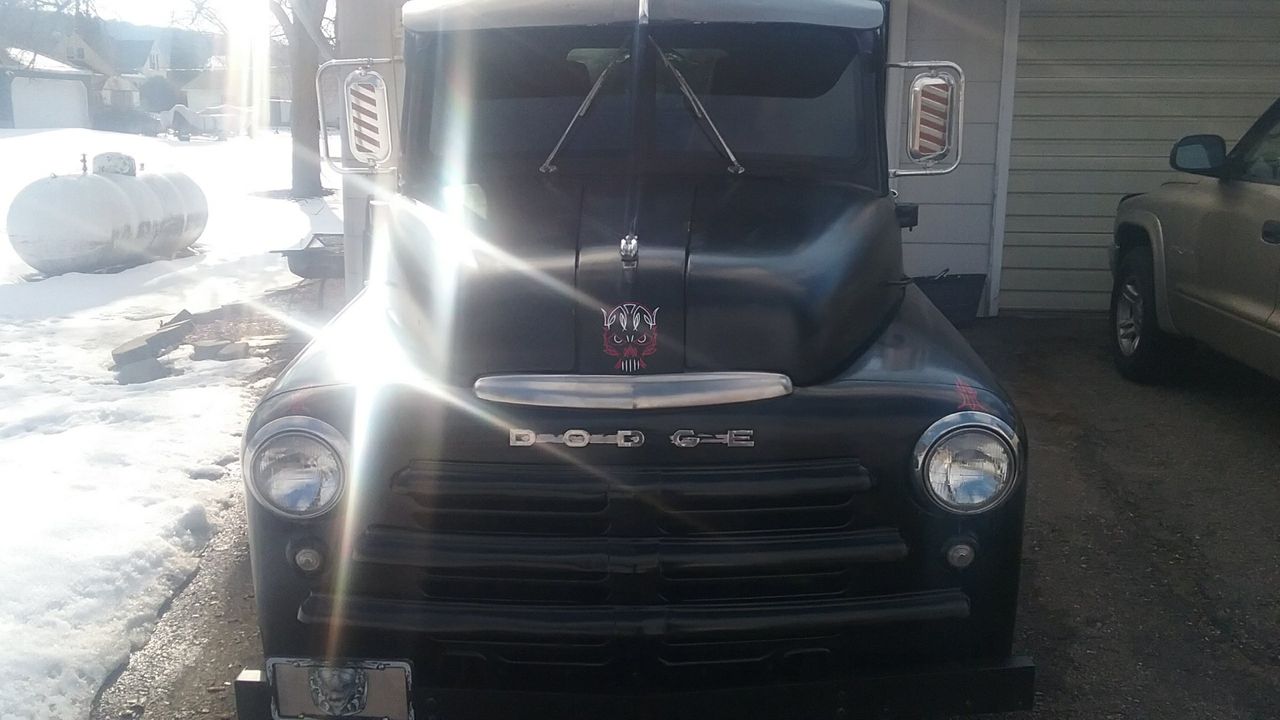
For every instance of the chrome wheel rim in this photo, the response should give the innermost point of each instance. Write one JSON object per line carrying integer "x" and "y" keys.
{"x": 1129, "y": 317}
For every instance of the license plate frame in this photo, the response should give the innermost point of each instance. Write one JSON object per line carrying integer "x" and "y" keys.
{"x": 385, "y": 687}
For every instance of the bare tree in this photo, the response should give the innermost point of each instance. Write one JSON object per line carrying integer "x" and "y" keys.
{"x": 70, "y": 7}
{"x": 303, "y": 25}
{"x": 306, "y": 28}
{"x": 203, "y": 15}
{"x": 17, "y": 18}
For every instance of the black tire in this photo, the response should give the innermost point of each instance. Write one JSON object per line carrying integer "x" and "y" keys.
{"x": 1143, "y": 352}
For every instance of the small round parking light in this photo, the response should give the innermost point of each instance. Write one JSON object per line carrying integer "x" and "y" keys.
{"x": 308, "y": 560}
{"x": 961, "y": 555}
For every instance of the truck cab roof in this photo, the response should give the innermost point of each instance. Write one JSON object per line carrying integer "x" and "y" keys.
{"x": 452, "y": 15}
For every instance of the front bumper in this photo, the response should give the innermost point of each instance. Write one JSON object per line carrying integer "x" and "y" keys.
{"x": 947, "y": 690}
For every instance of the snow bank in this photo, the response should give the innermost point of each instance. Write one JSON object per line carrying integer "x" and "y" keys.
{"x": 101, "y": 516}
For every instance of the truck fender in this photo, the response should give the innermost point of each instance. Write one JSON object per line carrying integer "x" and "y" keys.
{"x": 1149, "y": 223}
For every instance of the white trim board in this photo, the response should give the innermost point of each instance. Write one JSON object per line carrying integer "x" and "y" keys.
{"x": 895, "y": 95}
{"x": 1004, "y": 145}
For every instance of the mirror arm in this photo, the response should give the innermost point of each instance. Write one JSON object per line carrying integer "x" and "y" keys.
{"x": 959, "y": 144}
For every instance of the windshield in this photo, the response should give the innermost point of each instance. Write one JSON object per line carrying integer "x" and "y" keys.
{"x": 776, "y": 93}
{"x": 512, "y": 93}
{"x": 794, "y": 93}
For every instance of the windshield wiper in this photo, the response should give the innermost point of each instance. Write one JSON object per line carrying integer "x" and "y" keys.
{"x": 700, "y": 112}
{"x": 548, "y": 166}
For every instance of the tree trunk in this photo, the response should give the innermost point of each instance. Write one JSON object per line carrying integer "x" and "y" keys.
{"x": 304, "y": 121}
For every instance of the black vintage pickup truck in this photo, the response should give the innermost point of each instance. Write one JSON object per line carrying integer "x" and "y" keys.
{"x": 636, "y": 416}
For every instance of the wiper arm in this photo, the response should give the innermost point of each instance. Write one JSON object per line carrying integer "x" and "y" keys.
{"x": 548, "y": 166}
{"x": 700, "y": 112}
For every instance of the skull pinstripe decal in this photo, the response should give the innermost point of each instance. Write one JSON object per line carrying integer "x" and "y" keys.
{"x": 630, "y": 335}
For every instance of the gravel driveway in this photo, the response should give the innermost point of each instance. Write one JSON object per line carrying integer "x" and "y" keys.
{"x": 1153, "y": 547}
{"x": 1151, "y": 587}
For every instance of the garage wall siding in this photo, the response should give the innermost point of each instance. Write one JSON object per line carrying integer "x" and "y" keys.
{"x": 1104, "y": 89}
{"x": 955, "y": 209}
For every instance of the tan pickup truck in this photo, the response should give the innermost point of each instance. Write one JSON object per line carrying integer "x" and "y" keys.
{"x": 1199, "y": 258}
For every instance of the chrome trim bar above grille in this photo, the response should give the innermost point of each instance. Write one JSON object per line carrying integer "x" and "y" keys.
{"x": 640, "y": 392}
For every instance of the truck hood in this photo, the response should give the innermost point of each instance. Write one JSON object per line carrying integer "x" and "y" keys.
{"x": 526, "y": 276}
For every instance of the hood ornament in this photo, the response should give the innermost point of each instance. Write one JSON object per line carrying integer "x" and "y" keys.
{"x": 629, "y": 249}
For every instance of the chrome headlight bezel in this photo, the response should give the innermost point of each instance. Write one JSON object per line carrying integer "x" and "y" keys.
{"x": 312, "y": 428}
{"x": 955, "y": 423}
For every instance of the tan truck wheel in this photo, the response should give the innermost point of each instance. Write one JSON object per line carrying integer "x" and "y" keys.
{"x": 1142, "y": 351}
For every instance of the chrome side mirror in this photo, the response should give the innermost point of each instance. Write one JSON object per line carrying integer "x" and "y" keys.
{"x": 935, "y": 121}
{"x": 367, "y": 116}
{"x": 931, "y": 123}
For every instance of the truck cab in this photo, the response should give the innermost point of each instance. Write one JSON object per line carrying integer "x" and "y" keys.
{"x": 636, "y": 414}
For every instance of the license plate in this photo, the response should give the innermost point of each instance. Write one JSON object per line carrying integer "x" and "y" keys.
{"x": 352, "y": 689}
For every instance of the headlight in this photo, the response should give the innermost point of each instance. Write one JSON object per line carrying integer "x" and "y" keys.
{"x": 295, "y": 466}
{"x": 967, "y": 462}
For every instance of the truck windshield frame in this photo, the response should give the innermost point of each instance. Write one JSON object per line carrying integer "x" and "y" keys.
{"x": 500, "y": 101}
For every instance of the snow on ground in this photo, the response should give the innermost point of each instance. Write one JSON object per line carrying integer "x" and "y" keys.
{"x": 100, "y": 519}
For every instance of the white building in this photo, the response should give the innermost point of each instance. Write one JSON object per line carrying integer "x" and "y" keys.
{"x": 38, "y": 91}
{"x": 1071, "y": 105}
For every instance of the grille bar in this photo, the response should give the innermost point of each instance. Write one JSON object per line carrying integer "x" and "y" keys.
{"x": 565, "y": 501}
{"x": 497, "y": 556}
{"x": 501, "y": 623}
{"x": 631, "y": 571}
{"x": 678, "y": 557}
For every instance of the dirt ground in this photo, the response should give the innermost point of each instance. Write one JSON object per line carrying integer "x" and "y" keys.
{"x": 1152, "y": 547}
{"x": 1151, "y": 587}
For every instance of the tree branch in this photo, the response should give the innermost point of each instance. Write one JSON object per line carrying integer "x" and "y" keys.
{"x": 282, "y": 17}
{"x": 201, "y": 12}
{"x": 313, "y": 24}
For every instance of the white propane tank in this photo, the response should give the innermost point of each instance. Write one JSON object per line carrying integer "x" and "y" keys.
{"x": 69, "y": 224}
{"x": 170, "y": 233}
{"x": 197, "y": 207}
{"x": 137, "y": 247}
{"x": 107, "y": 219}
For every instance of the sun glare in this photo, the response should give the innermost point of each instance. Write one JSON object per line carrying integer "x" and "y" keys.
{"x": 248, "y": 60}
